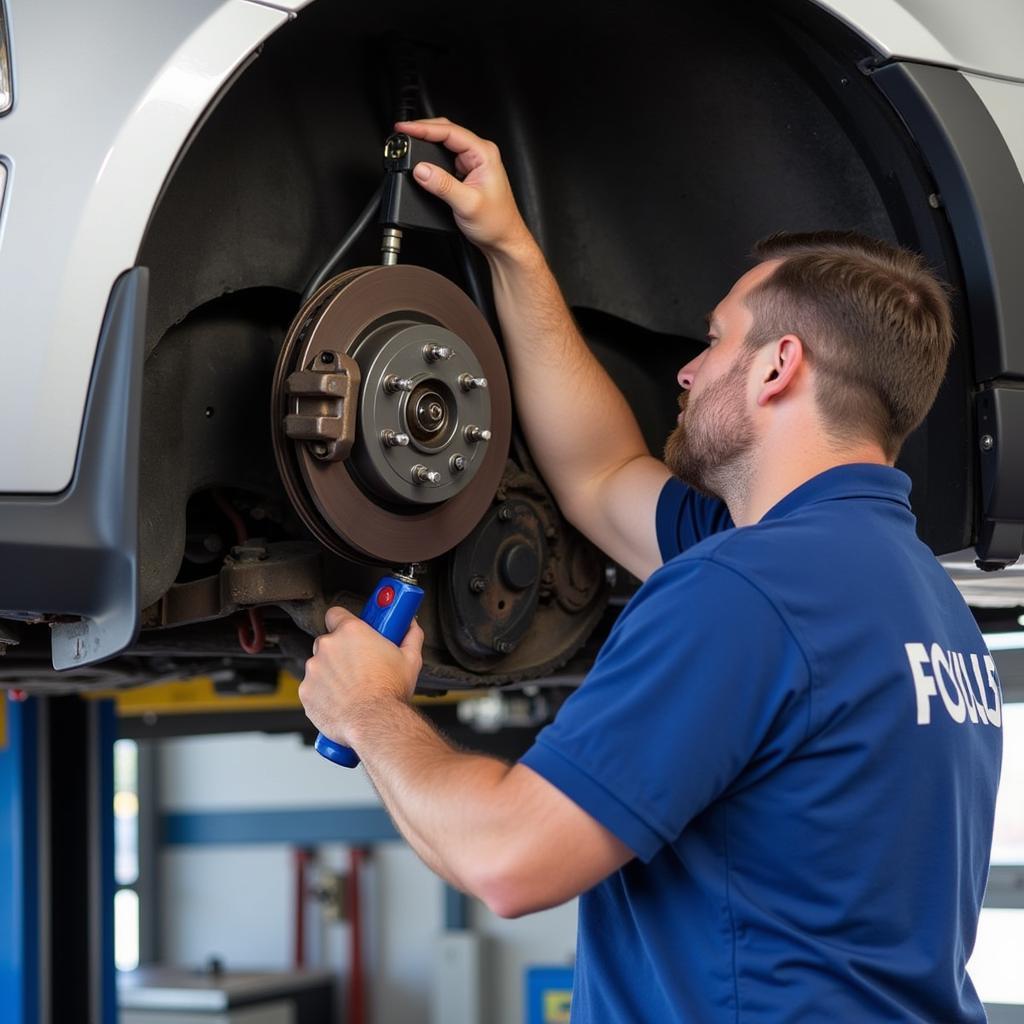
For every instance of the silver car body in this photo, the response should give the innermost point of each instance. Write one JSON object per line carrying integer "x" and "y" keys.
{"x": 107, "y": 98}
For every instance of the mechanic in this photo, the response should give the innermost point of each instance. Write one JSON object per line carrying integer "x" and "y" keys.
{"x": 774, "y": 791}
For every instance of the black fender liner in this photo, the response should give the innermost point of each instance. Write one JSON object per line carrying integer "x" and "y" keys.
{"x": 983, "y": 195}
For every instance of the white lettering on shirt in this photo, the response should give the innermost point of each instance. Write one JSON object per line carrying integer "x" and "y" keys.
{"x": 980, "y": 683}
{"x": 965, "y": 681}
{"x": 923, "y": 683}
{"x": 993, "y": 681}
{"x": 951, "y": 681}
{"x": 940, "y": 665}
{"x": 961, "y": 685}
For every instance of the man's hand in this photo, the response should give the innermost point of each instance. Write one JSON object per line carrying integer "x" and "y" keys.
{"x": 355, "y": 672}
{"x": 504, "y": 834}
{"x": 482, "y": 201}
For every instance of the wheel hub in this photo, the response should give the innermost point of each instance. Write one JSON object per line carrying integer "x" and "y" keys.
{"x": 391, "y": 414}
{"x": 434, "y": 413}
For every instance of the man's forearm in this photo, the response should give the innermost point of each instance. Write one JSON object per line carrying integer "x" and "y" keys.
{"x": 443, "y": 801}
{"x": 561, "y": 389}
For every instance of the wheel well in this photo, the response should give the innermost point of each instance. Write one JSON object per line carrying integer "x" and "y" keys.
{"x": 646, "y": 157}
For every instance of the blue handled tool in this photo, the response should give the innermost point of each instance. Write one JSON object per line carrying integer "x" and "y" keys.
{"x": 390, "y": 609}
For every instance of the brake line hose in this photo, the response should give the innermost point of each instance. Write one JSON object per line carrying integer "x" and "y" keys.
{"x": 252, "y": 634}
{"x": 361, "y": 224}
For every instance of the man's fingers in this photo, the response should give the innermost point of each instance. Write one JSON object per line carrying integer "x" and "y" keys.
{"x": 335, "y": 617}
{"x": 469, "y": 161}
{"x": 461, "y": 198}
{"x": 413, "y": 638}
{"x": 440, "y": 129}
{"x": 412, "y": 645}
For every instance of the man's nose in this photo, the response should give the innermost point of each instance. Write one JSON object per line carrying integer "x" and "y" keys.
{"x": 686, "y": 375}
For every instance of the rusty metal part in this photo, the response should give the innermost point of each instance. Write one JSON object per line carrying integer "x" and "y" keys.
{"x": 337, "y": 509}
{"x": 522, "y": 592}
{"x": 578, "y": 573}
{"x": 326, "y": 393}
{"x": 501, "y": 560}
{"x": 253, "y": 574}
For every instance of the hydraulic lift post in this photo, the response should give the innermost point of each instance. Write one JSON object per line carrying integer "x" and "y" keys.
{"x": 57, "y": 851}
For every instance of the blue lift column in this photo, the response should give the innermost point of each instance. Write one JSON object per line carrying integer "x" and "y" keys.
{"x": 56, "y": 861}
{"x": 20, "y": 987}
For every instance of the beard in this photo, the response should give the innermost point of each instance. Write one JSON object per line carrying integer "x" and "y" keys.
{"x": 710, "y": 448}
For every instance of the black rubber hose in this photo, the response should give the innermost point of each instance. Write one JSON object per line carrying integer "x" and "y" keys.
{"x": 361, "y": 224}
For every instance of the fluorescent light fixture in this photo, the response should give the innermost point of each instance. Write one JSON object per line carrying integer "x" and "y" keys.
{"x": 6, "y": 85}
{"x": 1004, "y": 641}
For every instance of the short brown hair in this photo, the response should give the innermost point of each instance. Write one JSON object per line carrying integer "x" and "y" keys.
{"x": 875, "y": 324}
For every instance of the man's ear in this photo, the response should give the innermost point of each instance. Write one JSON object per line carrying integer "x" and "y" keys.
{"x": 786, "y": 358}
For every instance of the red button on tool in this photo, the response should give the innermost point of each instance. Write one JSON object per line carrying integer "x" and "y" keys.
{"x": 385, "y": 596}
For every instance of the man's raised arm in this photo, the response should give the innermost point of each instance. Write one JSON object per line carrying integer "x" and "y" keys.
{"x": 580, "y": 429}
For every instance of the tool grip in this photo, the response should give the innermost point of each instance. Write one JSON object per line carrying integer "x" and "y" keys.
{"x": 390, "y": 610}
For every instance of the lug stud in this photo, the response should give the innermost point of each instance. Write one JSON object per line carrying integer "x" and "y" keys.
{"x": 393, "y": 439}
{"x": 457, "y": 463}
{"x": 474, "y": 433}
{"x": 393, "y": 383}
{"x": 477, "y": 584}
{"x": 422, "y": 475}
{"x": 470, "y": 383}
{"x": 435, "y": 353}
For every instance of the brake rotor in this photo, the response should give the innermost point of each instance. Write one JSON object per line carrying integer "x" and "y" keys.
{"x": 391, "y": 413}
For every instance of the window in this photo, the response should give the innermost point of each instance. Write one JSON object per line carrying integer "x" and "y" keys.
{"x": 995, "y": 966}
{"x": 126, "y": 854}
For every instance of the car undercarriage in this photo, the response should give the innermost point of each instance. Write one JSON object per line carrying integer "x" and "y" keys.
{"x": 295, "y": 443}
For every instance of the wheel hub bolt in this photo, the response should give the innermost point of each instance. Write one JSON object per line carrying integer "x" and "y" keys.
{"x": 506, "y": 513}
{"x": 470, "y": 383}
{"x": 478, "y": 584}
{"x": 435, "y": 353}
{"x": 393, "y": 383}
{"x": 422, "y": 475}
{"x": 504, "y": 646}
{"x": 393, "y": 439}
{"x": 474, "y": 433}
{"x": 457, "y": 463}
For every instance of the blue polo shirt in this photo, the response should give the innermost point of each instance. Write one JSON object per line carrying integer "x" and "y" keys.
{"x": 796, "y": 727}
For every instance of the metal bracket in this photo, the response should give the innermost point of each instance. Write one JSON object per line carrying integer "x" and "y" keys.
{"x": 1000, "y": 416}
{"x": 9, "y": 637}
{"x": 256, "y": 573}
{"x": 325, "y": 415}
